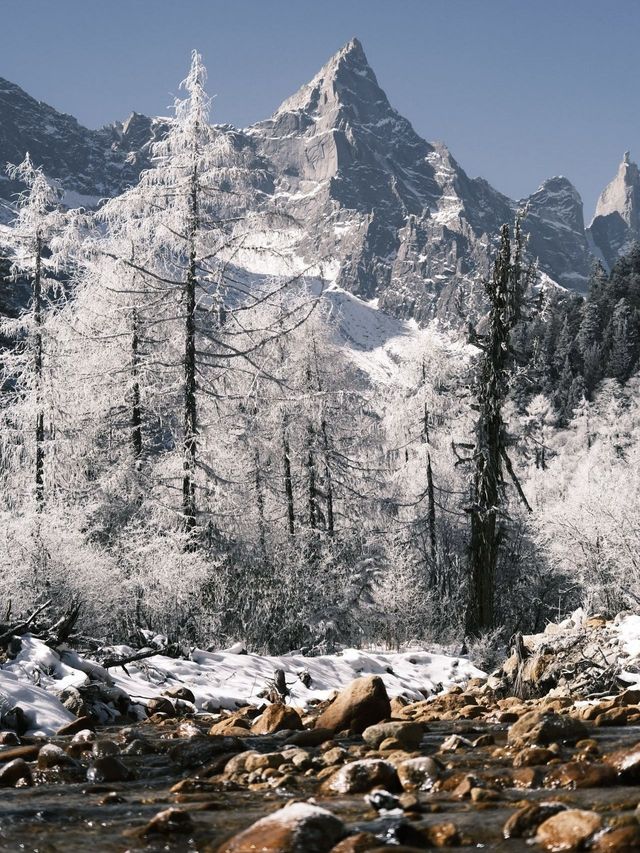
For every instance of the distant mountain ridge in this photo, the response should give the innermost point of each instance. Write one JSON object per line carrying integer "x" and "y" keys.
{"x": 393, "y": 216}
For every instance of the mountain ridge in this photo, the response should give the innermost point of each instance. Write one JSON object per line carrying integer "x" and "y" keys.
{"x": 397, "y": 215}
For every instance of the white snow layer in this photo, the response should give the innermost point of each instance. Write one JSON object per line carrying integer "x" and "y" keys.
{"x": 219, "y": 680}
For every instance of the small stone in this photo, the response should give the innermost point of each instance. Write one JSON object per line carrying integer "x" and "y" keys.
{"x": 453, "y": 743}
{"x": 161, "y": 705}
{"x": 625, "y": 761}
{"x": 418, "y": 774}
{"x": 360, "y": 776}
{"x": 169, "y": 821}
{"x": 15, "y": 771}
{"x": 52, "y": 756}
{"x": 180, "y": 692}
{"x": 361, "y": 842}
{"x": 568, "y": 830}
{"x": 525, "y": 822}
{"x": 310, "y": 737}
{"x": 9, "y": 739}
{"x": 580, "y": 774}
{"x": 108, "y": 769}
{"x": 277, "y": 718}
{"x": 408, "y": 735}
{"x": 104, "y": 747}
{"x": 621, "y": 839}
{"x": 443, "y": 834}
{"x": 535, "y": 727}
{"x": 297, "y": 828}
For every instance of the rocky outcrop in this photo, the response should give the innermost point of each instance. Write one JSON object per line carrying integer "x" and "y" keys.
{"x": 361, "y": 704}
{"x": 616, "y": 224}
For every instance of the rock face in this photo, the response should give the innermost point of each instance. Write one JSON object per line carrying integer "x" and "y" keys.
{"x": 361, "y": 704}
{"x": 389, "y": 214}
{"x": 90, "y": 164}
{"x": 616, "y": 224}
{"x": 297, "y": 828}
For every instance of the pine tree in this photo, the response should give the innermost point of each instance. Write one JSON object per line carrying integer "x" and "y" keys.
{"x": 624, "y": 343}
{"x": 505, "y": 290}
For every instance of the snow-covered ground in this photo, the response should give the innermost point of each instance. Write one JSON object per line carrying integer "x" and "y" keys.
{"x": 219, "y": 680}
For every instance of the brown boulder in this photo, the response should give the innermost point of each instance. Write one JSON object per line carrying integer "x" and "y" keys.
{"x": 14, "y": 772}
{"x": 535, "y": 727}
{"x": 568, "y": 830}
{"x": 277, "y": 718}
{"x": 418, "y": 774}
{"x": 361, "y": 704}
{"x": 621, "y": 839}
{"x": 297, "y": 828}
{"x": 361, "y": 842}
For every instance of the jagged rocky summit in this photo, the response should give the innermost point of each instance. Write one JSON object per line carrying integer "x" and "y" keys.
{"x": 389, "y": 215}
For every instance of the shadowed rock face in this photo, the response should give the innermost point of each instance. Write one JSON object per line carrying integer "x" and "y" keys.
{"x": 389, "y": 214}
{"x": 616, "y": 224}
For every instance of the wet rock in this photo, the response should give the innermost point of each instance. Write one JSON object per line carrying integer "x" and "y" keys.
{"x": 525, "y": 822}
{"x": 15, "y": 719}
{"x": 180, "y": 692}
{"x": 631, "y": 696}
{"x": 235, "y": 725}
{"x": 72, "y": 700}
{"x": 625, "y": 761}
{"x": 277, "y": 718}
{"x": 297, "y": 828}
{"x": 108, "y": 769}
{"x": 612, "y": 717}
{"x": 52, "y": 756}
{"x": 100, "y": 748}
{"x": 536, "y": 727}
{"x": 408, "y": 735}
{"x": 361, "y": 704}
{"x": 533, "y": 756}
{"x": 262, "y": 761}
{"x": 167, "y": 822}
{"x": 360, "y": 776}
{"x": 580, "y": 774}
{"x": 15, "y": 771}
{"x": 382, "y": 801}
{"x": 76, "y": 726}
{"x": 621, "y": 839}
{"x": 568, "y": 830}
{"x": 310, "y": 737}
{"x": 418, "y": 774}
{"x": 453, "y": 743}
{"x": 200, "y": 751}
{"x": 9, "y": 739}
{"x": 443, "y": 834}
{"x": 361, "y": 842}
{"x": 138, "y": 747}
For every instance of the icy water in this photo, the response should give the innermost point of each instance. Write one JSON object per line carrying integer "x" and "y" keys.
{"x": 59, "y": 814}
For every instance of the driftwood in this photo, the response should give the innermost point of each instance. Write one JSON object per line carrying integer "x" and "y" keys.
{"x": 22, "y": 627}
{"x": 110, "y": 663}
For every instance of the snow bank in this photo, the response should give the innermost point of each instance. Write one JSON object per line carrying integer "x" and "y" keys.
{"x": 228, "y": 680}
{"x": 220, "y": 680}
{"x": 44, "y": 712}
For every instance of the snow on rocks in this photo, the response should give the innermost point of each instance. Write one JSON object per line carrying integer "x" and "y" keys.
{"x": 45, "y": 714}
{"x": 215, "y": 681}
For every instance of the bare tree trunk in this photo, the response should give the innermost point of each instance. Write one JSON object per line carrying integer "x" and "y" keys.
{"x": 136, "y": 413}
{"x": 288, "y": 479}
{"x": 37, "y": 319}
{"x": 190, "y": 420}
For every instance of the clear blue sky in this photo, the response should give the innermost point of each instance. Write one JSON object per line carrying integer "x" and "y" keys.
{"x": 518, "y": 89}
